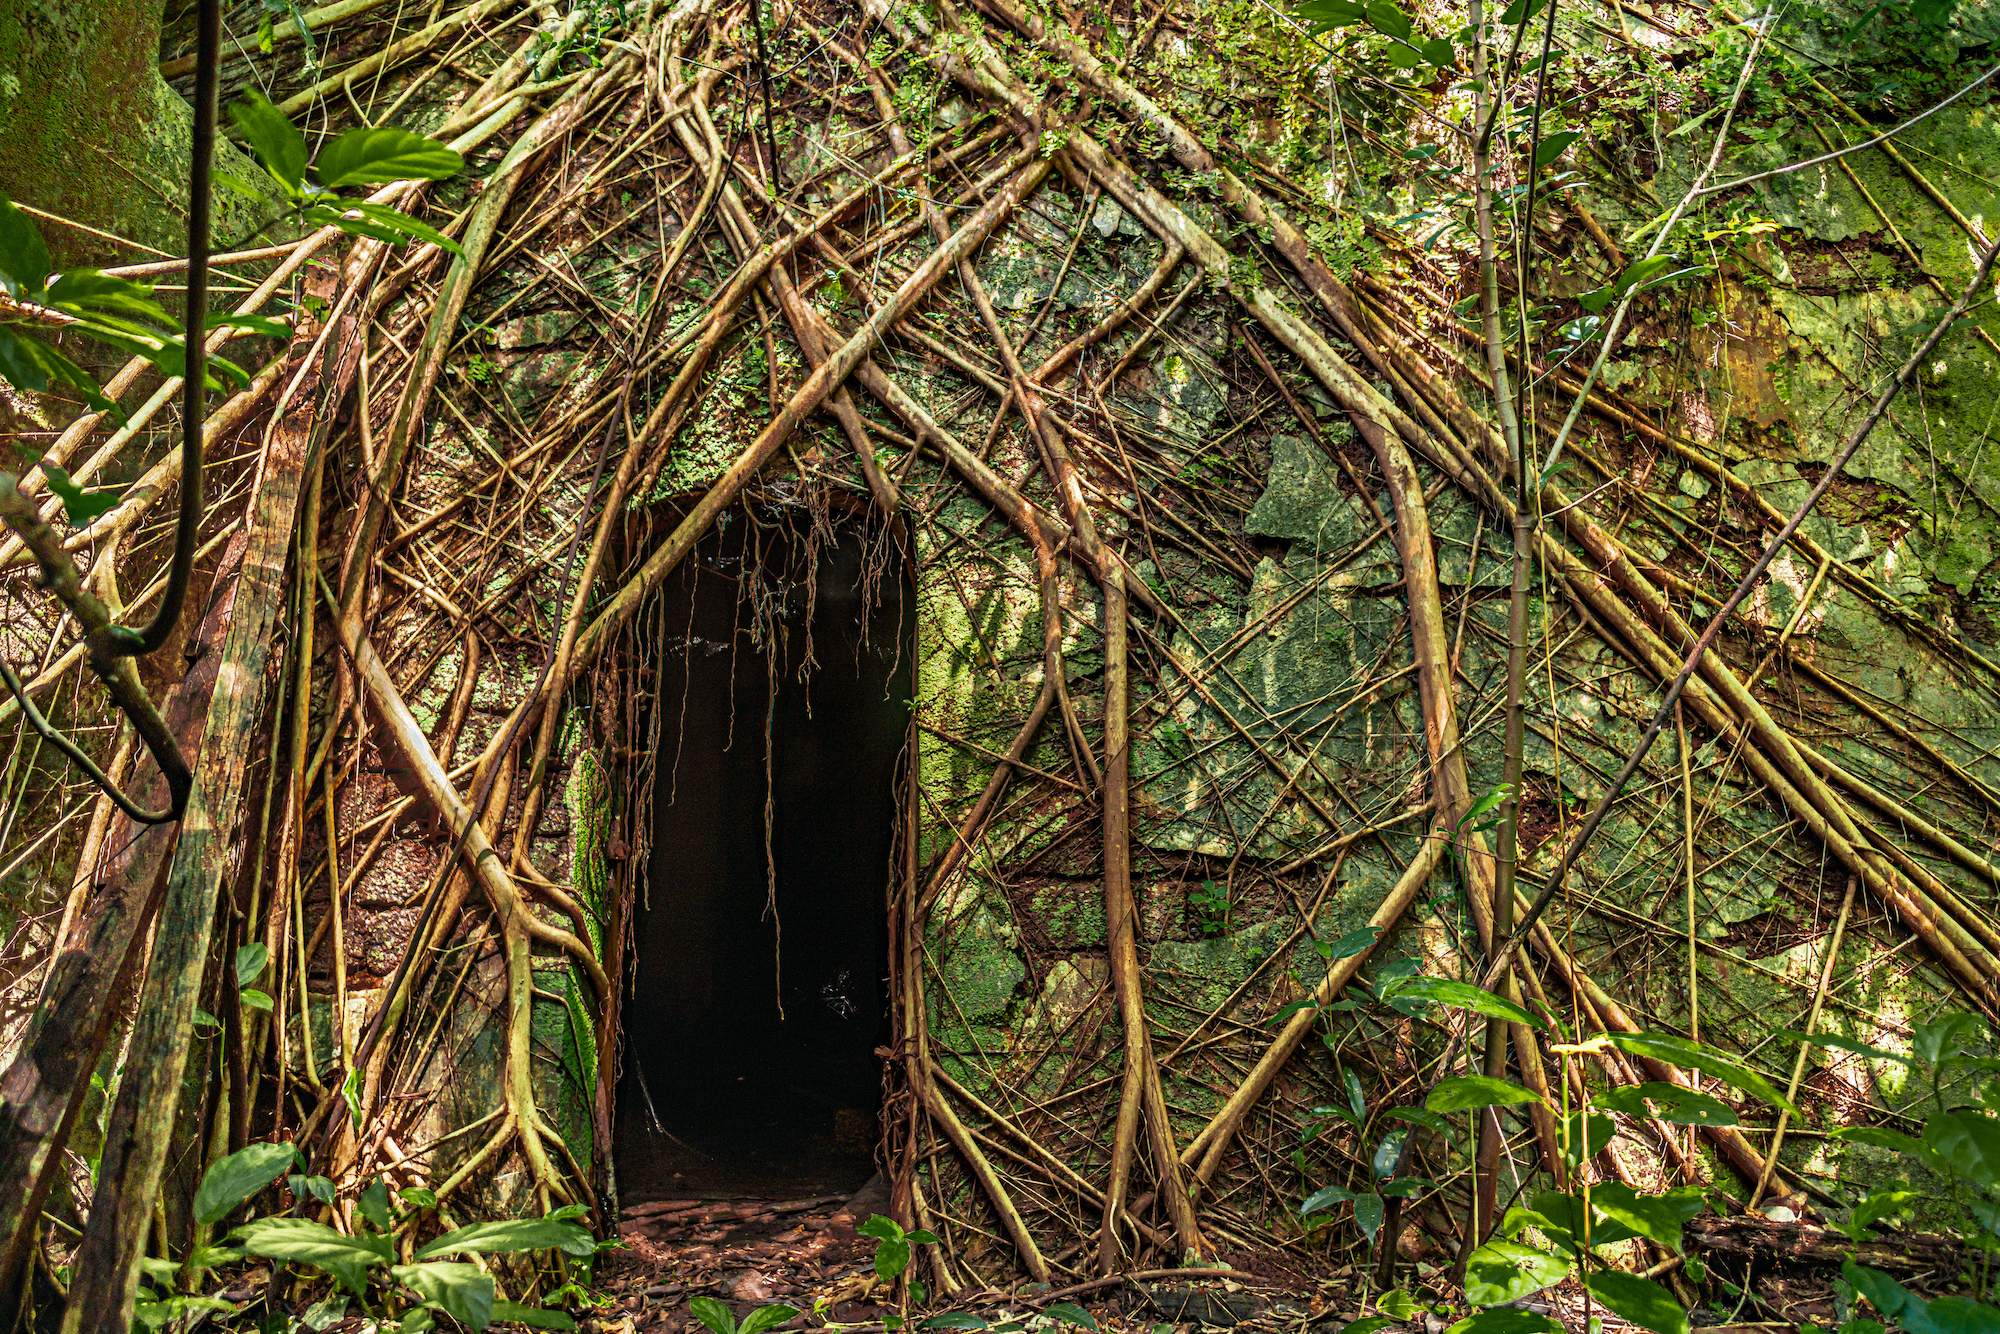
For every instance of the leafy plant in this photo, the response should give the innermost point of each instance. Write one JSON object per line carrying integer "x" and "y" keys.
{"x": 362, "y": 1263}
{"x": 373, "y": 155}
{"x": 36, "y": 302}
{"x": 894, "y": 1249}
{"x": 1211, "y": 907}
{"x": 719, "y": 1319}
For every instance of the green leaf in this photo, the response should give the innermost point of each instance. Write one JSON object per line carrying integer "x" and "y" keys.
{"x": 1877, "y": 1206}
{"x": 1506, "y": 1271}
{"x": 1327, "y": 15}
{"x": 24, "y": 259}
{"x": 1970, "y": 1142}
{"x": 257, "y": 324}
{"x": 457, "y": 1289}
{"x": 1588, "y": 1133}
{"x": 1388, "y": 20}
{"x": 1884, "y": 1293}
{"x": 1639, "y": 1300}
{"x": 1355, "y": 942}
{"x": 1635, "y": 274}
{"x": 251, "y": 961}
{"x": 535, "y": 1317}
{"x": 511, "y": 1235}
{"x": 80, "y": 291}
{"x": 1439, "y": 52}
{"x": 892, "y": 1258}
{"x": 419, "y": 1197}
{"x": 1562, "y": 1222}
{"x": 1520, "y": 11}
{"x": 1403, "y": 57}
{"x": 1941, "y": 1037}
{"x": 1368, "y": 1213}
{"x": 272, "y": 137}
{"x": 234, "y": 1179}
{"x": 374, "y": 1203}
{"x": 382, "y": 154}
{"x": 203, "y": 1019}
{"x": 922, "y": 1238}
{"x": 882, "y": 1228}
{"x": 1679, "y": 1106}
{"x": 1368, "y": 1325}
{"x": 1418, "y": 1116}
{"x": 1072, "y": 1314}
{"x": 1506, "y": 1320}
{"x": 255, "y": 999}
{"x": 1836, "y": 1042}
{"x": 1957, "y": 1315}
{"x": 1463, "y": 1093}
{"x": 712, "y": 1313}
{"x": 1671, "y": 1050}
{"x": 1465, "y": 996}
{"x": 348, "y": 1259}
{"x": 955, "y": 1320}
{"x": 358, "y": 217}
{"x": 32, "y": 366}
{"x": 1657, "y": 1216}
{"x": 420, "y": 1321}
{"x": 764, "y": 1317}
{"x": 213, "y": 1257}
{"x": 80, "y": 507}
{"x": 1325, "y": 1198}
{"x": 1398, "y": 1304}
{"x": 1551, "y": 147}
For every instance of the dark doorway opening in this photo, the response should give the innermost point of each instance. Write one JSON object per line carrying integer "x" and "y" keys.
{"x": 760, "y": 990}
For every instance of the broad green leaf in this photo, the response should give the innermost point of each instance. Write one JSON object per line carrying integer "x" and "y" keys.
{"x": 213, "y": 1257}
{"x": 1439, "y": 52}
{"x": 1836, "y": 1042}
{"x": 24, "y": 259}
{"x": 255, "y": 999}
{"x": 1674, "y": 1104}
{"x": 234, "y": 1179}
{"x": 1506, "y": 1271}
{"x": 892, "y": 1258}
{"x": 764, "y": 1317}
{"x": 1505, "y": 1320}
{"x": 1388, "y": 20}
{"x": 511, "y": 1235}
{"x": 1463, "y": 1093}
{"x": 882, "y": 1228}
{"x": 1465, "y": 996}
{"x": 535, "y": 1317}
{"x": 1325, "y": 1198}
{"x": 1072, "y": 1314}
{"x": 1657, "y": 1216}
{"x": 1879, "y": 1205}
{"x": 348, "y": 1259}
{"x": 712, "y": 1313}
{"x": 1355, "y": 942}
{"x": 1941, "y": 1037}
{"x": 257, "y": 324}
{"x": 1328, "y": 15}
{"x": 1367, "y": 1325}
{"x": 1552, "y": 146}
{"x": 1400, "y": 56}
{"x": 955, "y": 1320}
{"x": 456, "y": 1288}
{"x": 374, "y": 1203}
{"x": 1520, "y": 11}
{"x": 1957, "y": 1315}
{"x": 1970, "y": 1142}
{"x": 358, "y": 217}
{"x": 1585, "y": 1133}
{"x": 1884, "y": 1293}
{"x": 80, "y": 507}
{"x": 273, "y": 138}
{"x": 33, "y": 366}
{"x": 1368, "y": 1213}
{"x": 382, "y": 154}
{"x": 251, "y": 961}
{"x": 1641, "y": 272}
{"x": 419, "y": 1197}
{"x": 1639, "y": 1300}
{"x": 1563, "y": 1215}
{"x": 1398, "y": 1304}
{"x": 921, "y": 1237}
{"x": 81, "y": 291}
{"x": 1404, "y": 1187}
{"x": 420, "y": 1321}
{"x": 1418, "y": 1116}
{"x": 1693, "y": 1055}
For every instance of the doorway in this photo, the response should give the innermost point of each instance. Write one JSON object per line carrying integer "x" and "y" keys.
{"x": 759, "y": 994}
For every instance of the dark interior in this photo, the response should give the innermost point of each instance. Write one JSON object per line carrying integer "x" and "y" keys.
{"x": 749, "y": 1063}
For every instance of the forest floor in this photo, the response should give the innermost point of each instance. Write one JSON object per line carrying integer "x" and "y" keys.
{"x": 1756, "y": 1274}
